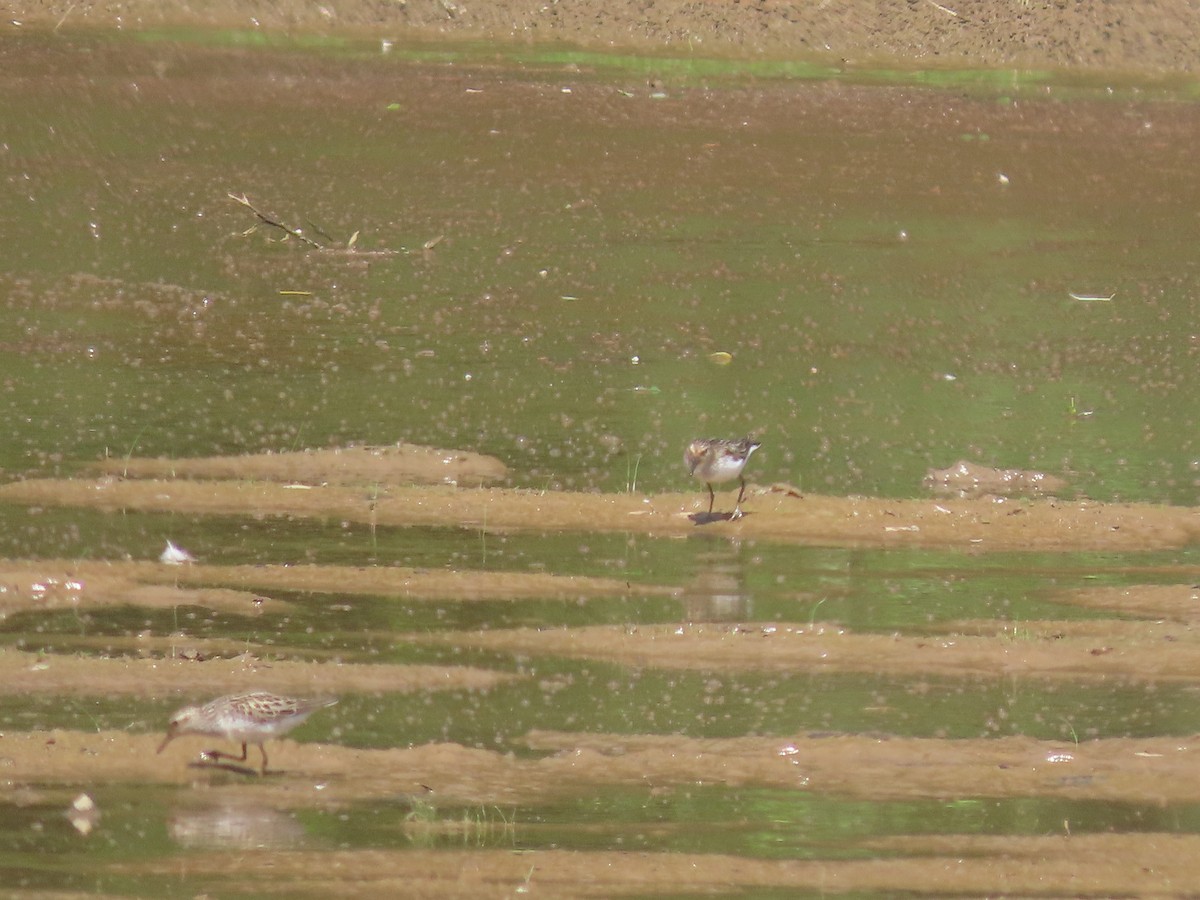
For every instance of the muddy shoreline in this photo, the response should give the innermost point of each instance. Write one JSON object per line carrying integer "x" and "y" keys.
{"x": 544, "y": 766}
{"x": 1150, "y": 36}
{"x": 567, "y": 764}
{"x": 778, "y": 514}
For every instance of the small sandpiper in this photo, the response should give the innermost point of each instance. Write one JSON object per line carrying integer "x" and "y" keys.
{"x": 251, "y": 718}
{"x": 715, "y": 460}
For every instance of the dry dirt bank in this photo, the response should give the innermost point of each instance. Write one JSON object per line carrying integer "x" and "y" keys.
{"x": 1136, "y": 35}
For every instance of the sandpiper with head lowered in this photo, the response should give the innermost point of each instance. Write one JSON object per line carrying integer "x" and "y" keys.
{"x": 713, "y": 460}
{"x": 251, "y": 718}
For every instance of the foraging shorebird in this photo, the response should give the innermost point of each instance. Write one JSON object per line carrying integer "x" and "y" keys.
{"x": 713, "y": 460}
{"x": 251, "y": 718}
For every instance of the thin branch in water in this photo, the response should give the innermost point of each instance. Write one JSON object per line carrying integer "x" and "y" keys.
{"x": 274, "y": 223}
{"x": 320, "y": 231}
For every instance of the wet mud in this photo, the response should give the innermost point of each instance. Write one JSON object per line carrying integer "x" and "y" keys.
{"x": 401, "y": 463}
{"x": 1071, "y": 649}
{"x": 375, "y": 486}
{"x": 967, "y": 479}
{"x": 773, "y": 514}
{"x": 991, "y": 523}
{"x": 875, "y": 768}
{"x": 1054, "y": 865}
{"x": 223, "y": 670}
{"x": 54, "y": 584}
{"x": 867, "y": 766}
{"x": 1105, "y": 648}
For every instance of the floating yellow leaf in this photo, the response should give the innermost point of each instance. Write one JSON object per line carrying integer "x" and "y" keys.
{"x": 720, "y": 358}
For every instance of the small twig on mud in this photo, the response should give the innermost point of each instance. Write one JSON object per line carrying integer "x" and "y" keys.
{"x": 273, "y": 222}
{"x": 944, "y": 9}
{"x": 59, "y": 23}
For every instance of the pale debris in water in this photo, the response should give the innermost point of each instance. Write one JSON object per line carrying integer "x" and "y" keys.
{"x": 83, "y": 803}
{"x": 83, "y": 814}
{"x": 175, "y": 556}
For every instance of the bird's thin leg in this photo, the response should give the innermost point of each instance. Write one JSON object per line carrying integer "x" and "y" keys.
{"x": 712, "y": 498}
{"x": 217, "y": 754}
{"x": 737, "y": 507}
{"x": 263, "y": 748}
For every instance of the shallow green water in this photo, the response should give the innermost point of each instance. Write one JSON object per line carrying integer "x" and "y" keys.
{"x": 889, "y": 303}
{"x": 43, "y": 851}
